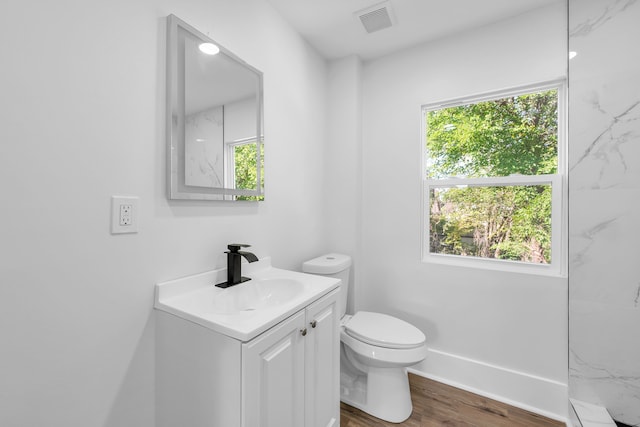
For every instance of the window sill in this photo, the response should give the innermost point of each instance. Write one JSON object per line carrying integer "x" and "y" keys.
{"x": 548, "y": 270}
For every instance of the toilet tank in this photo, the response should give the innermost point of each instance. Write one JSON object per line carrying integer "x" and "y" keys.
{"x": 332, "y": 265}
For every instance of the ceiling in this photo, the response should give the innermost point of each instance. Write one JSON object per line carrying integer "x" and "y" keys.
{"x": 333, "y": 27}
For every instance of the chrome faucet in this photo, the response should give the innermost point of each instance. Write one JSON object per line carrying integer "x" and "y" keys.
{"x": 234, "y": 263}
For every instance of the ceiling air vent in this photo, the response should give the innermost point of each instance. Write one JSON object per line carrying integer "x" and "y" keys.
{"x": 376, "y": 18}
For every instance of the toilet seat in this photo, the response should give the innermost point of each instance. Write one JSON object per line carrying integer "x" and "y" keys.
{"x": 374, "y": 356}
{"x": 384, "y": 331}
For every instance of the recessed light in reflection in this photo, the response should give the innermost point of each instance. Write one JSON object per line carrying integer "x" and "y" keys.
{"x": 572, "y": 54}
{"x": 208, "y": 48}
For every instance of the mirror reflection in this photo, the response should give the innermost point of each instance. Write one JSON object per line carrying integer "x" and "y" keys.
{"x": 215, "y": 104}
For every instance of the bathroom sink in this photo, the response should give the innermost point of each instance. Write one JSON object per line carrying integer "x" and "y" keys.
{"x": 247, "y": 309}
{"x": 253, "y": 295}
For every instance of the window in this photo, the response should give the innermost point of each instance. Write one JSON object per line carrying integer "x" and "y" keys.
{"x": 241, "y": 158}
{"x": 493, "y": 180}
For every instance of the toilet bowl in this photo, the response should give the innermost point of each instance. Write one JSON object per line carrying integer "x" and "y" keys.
{"x": 375, "y": 350}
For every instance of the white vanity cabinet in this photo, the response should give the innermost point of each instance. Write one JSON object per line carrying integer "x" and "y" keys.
{"x": 288, "y": 376}
{"x": 291, "y": 372}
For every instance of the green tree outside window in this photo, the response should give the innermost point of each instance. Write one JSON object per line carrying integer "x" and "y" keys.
{"x": 516, "y": 135}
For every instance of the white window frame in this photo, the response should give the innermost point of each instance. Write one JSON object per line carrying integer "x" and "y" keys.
{"x": 558, "y": 182}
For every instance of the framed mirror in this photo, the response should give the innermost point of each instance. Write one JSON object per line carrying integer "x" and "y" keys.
{"x": 214, "y": 120}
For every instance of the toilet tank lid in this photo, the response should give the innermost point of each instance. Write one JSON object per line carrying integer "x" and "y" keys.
{"x": 327, "y": 264}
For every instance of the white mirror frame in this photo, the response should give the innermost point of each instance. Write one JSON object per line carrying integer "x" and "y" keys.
{"x": 175, "y": 123}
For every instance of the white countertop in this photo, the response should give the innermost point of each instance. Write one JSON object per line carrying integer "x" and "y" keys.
{"x": 194, "y": 298}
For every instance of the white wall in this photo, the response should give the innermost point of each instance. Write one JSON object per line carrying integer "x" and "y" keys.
{"x": 502, "y": 334}
{"x": 240, "y": 120}
{"x": 604, "y": 206}
{"x": 82, "y": 119}
{"x": 343, "y": 174}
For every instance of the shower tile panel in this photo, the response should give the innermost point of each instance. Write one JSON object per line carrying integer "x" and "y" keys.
{"x": 604, "y": 206}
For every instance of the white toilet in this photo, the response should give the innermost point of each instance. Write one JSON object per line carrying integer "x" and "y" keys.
{"x": 375, "y": 350}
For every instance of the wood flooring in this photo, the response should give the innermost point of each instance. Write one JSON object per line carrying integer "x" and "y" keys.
{"x": 437, "y": 404}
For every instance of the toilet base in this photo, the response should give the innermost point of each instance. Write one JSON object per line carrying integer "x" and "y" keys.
{"x": 387, "y": 395}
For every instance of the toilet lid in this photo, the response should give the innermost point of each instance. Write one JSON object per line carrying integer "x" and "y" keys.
{"x": 384, "y": 331}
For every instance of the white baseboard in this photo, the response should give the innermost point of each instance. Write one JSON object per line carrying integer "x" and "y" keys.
{"x": 540, "y": 395}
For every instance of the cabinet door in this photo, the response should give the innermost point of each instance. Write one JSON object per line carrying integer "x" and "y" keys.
{"x": 273, "y": 376}
{"x": 322, "y": 370}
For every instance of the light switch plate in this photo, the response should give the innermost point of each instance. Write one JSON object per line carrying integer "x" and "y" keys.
{"x": 124, "y": 214}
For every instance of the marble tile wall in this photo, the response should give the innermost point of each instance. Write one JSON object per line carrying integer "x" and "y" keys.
{"x": 604, "y": 205}
{"x": 203, "y": 148}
